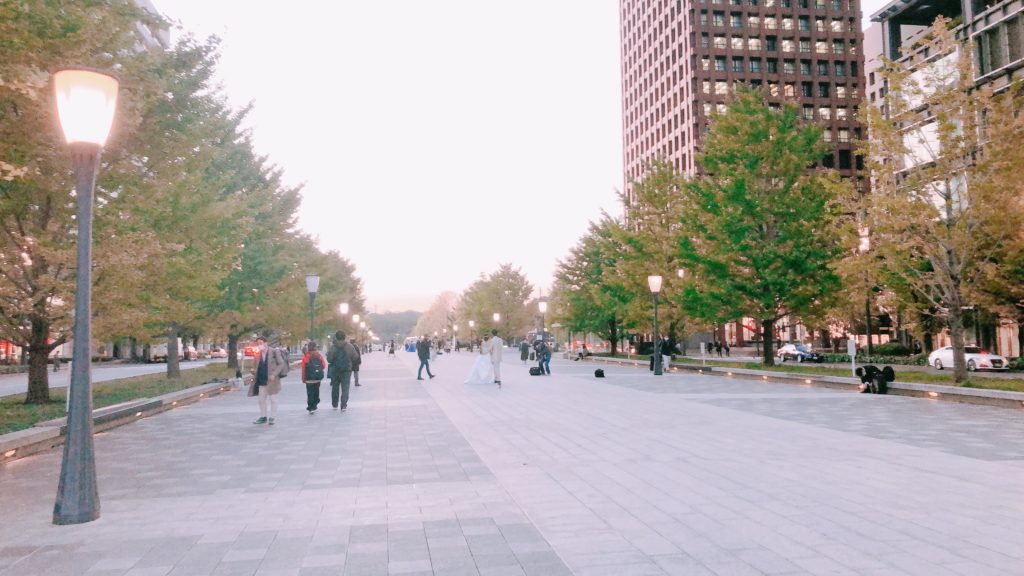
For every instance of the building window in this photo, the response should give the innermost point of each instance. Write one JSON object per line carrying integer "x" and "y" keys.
{"x": 805, "y": 67}
{"x": 840, "y": 91}
{"x": 787, "y": 23}
{"x": 772, "y": 65}
{"x": 804, "y": 22}
{"x": 706, "y": 87}
{"x": 805, "y": 45}
{"x": 770, "y": 23}
{"x": 721, "y": 42}
{"x": 806, "y": 89}
{"x": 770, "y": 44}
{"x": 822, "y": 68}
{"x": 840, "y": 69}
{"x": 703, "y": 18}
{"x": 719, "y": 63}
{"x": 722, "y": 88}
{"x": 823, "y": 89}
{"x": 819, "y": 24}
{"x": 705, "y": 63}
{"x": 737, "y": 65}
{"x": 824, "y": 113}
{"x": 837, "y": 5}
{"x": 845, "y": 160}
{"x": 838, "y": 47}
{"x": 737, "y": 42}
{"x": 788, "y": 66}
{"x": 753, "y": 22}
{"x": 788, "y": 45}
{"x": 789, "y": 90}
{"x": 755, "y": 65}
{"x": 808, "y": 113}
{"x": 837, "y": 25}
{"x": 841, "y": 113}
{"x": 773, "y": 89}
{"x": 719, "y": 18}
{"x": 827, "y": 136}
{"x": 754, "y": 44}
{"x": 804, "y": 4}
{"x": 736, "y": 20}
{"x": 705, "y": 41}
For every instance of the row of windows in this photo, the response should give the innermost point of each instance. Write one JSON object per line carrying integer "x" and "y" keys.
{"x": 738, "y": 65}
{"x": 836, "y": 5}
{"x": 999, "y": 45}
{"x": 771, "y": 44}
{"x": 786, "y": 89}
{"x": 756, "y": 21}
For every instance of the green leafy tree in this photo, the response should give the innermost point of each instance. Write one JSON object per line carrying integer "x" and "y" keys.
{"x": 37, "y": 227}
{"x": 943, "y": 156}
{"x": 758, "y": 229}
{"x": 505, "y": 291}
{"x": 588, "y": 296}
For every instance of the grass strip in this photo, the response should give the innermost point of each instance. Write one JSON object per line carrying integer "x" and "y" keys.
{"x": 16, "y": 415}
{"x": 944, "y": 379}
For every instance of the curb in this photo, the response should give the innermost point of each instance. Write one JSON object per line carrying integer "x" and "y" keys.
{"x": 50, "y": 434}
{"x": 982, "y": 396}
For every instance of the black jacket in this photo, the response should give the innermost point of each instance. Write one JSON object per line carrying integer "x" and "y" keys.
{"x": 340, "y": 356}
{"x": 423, "y": 349}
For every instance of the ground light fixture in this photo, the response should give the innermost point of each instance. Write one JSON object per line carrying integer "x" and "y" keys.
{"x": 86, "y": 102}
{"x": 654, "y": 283}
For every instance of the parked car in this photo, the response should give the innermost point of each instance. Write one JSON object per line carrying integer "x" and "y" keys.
{"x": 977, "y": 359}
{"x": 189, "y": 353}
{"x": 798, "y": 352}
{"x": 217, "y": 352}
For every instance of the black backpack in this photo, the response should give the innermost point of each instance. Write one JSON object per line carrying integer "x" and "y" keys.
{"x": 315, "y": 368}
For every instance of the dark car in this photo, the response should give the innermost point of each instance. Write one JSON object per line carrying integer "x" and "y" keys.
{"x": 800, "y": 353}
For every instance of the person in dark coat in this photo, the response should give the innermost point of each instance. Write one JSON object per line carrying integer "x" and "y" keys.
{"x": 340, "y": 359}
{"x": 356, "y": 361}
{"x": 524, "y": 351}
{"x": 423, "y": 351}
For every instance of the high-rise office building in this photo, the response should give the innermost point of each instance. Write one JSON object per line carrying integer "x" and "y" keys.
{"x": 683, "y": 59}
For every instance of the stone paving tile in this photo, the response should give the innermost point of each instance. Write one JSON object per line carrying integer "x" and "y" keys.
{"x": 681, "y": 474}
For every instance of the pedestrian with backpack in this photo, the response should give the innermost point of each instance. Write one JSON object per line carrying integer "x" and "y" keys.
{"x": 313, "y": 365}
{"x": 356, "y": 361}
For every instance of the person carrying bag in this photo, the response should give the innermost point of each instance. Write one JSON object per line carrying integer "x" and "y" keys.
{"x": 313, "y": 363}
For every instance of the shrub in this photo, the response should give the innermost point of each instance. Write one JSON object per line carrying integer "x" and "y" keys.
{"x": 891, "y": 349}
{"x": 1016, "y": 363}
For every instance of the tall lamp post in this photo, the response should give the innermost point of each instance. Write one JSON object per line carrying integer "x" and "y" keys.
{"x": 497, "y": 318}
{"x": 543, "y": 307}
{"x": 654, "y": 282}
{"x": 312, "y": 284}
{"x": 472, "y": 335}
{"x": 86, "y": 101}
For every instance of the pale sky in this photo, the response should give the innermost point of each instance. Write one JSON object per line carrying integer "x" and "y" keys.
{"x": 436, "y": 139}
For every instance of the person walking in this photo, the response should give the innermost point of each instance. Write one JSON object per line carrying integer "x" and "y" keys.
{"x": 340, "y": 359}
{"x": 270, "y": 365}
{"x": 423, "y": 351}
{"x": 313, "y": 366}
{"x": 391, "y": 350}
{"x": 494, "y": 348}
{"x": 356, "y": 361}
{"x": 544, "y": 357}
{"x": 524, "y": 351}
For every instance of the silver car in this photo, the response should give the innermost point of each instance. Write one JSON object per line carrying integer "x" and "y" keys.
{"x": 977, "y": 359}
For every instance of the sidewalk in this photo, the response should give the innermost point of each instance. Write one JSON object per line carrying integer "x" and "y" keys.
{"x": 630, "y": 475}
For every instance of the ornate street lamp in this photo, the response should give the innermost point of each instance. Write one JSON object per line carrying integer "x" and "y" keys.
{"x": 86, "y": 102}
{"x": 654, "y": 283}
{"x": 312, "y": 284}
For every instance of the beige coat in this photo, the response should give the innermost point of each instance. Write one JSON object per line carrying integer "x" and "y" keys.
{"x": 277, "y": 366}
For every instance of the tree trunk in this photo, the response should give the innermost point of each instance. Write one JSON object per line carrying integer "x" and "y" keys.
{"x": 956, "y": 334}
{"x": 1020, "y": 336}
{"x": 39, "y": 351}
{"x": 768, "y": 337}
{"x": 173, "y": 368}
{"x": 613, "y": 336}
{"x": 233, "y": 351}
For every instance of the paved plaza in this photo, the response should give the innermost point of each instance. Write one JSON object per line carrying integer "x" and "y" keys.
{"x": 566, "y": 474}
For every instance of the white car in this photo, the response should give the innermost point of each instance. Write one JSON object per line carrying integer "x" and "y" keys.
{"x": 218, "y": 353}
{"x": 977, "y": 359}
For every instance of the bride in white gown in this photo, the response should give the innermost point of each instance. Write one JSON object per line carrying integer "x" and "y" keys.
{"x": 483, "y": 370}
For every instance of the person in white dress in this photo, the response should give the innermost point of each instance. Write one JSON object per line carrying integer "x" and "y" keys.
{"x": 483, "y": 370}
